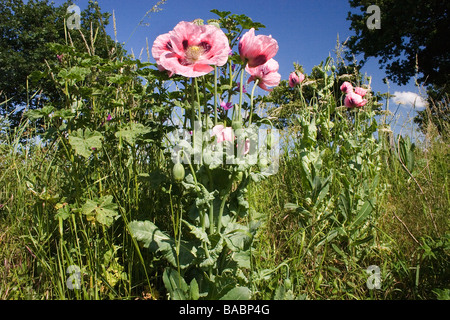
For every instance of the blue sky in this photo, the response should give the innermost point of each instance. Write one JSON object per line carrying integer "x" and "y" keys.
{"x": 306, "y": 30}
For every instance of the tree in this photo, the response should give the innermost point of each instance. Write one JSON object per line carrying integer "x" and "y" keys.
{"x": 411, "y": 42}
{"x": 25, "y": 31}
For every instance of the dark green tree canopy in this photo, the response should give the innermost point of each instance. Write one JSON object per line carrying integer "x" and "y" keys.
{"x": 412, "y": 39}
{"x": 412, "y": 42}
{"x": 26, "y": 29}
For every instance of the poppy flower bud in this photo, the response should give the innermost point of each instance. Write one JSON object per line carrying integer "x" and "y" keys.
{"x": 178, "y": 172}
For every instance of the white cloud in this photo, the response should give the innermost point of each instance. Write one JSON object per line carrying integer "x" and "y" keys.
{"x": 409, "y": 98}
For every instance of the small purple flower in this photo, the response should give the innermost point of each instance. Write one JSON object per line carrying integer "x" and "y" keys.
{"x": 59, "y": 56}
{"x": 109, "y": 117}
{"x": 226, "y": 105}
{"x": 233, "y": 67}
{"x": 239, "y": 87}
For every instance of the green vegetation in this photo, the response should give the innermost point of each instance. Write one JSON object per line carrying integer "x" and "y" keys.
{"x": 92, "y": 207}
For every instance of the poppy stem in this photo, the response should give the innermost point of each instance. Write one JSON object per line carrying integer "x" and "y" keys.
{"x": 215, "y": 96}
{"x": 251, "y": 102}
{"x": 241, "y": 91}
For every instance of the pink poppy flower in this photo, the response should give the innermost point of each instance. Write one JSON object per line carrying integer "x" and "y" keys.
{"x": 223, "y": 133}
{"x": 257, "y": 50}
{"x": 162, "y": 45}
{"x": 246, "y": 146}
{"x": 346, "y": 87}
{"x": 190, "y": 50}
{"x": 267, "y": 74}
{"x": 362, "y": 92}
{"x": 295, "y": 78}
{"x": 353, "y": 100}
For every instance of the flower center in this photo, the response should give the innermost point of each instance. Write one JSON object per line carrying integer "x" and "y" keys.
{"x": 193, "y": 53}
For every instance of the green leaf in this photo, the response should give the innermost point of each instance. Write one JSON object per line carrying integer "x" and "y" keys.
{"x": 194, "y": 291}
{"x": 132, "y": 132}
{"x": 237, "y": 237}
{"x": 104, "y": 211}
{"x": 175, "y": 284}
{"x": 197, "y": 232}
{"x": 75, "y": 73}
{"x": 221, "y": 14}
{"x": 83, "y": 141}
{"x": 363, "y": 214}
{"x": 242, "y": 258}
{"x": 238, "y": 293}
{"x": 157, "y": 241}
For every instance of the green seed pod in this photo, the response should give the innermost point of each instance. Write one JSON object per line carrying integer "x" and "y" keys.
{"x": 270, "y": 140}
{"x": 236, "y": 124}
{"x": 288, "y": 283}
{"x": 263, "y": 163}
{"x": 178, "y": 172}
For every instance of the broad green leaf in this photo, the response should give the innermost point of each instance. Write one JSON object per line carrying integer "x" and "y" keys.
{"x": 242, "y": 258}
{"x": 157, "y": 241}
{"x": 238, "y": 293}
{"x": 85, "y": 141}
{"x": 104, "y": 210}
{"x": 132, "y": 132}
{"x": 175, "y": 284}
{"x": 197, "y": 232}
{"x": 194, "y": 291}
{"x": 237, "y": 237}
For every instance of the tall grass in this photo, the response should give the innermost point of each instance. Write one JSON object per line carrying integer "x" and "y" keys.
{"x": 411, "y": 245}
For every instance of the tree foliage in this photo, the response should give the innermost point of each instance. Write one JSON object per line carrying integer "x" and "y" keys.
{"x": 409, "y": 40}
{"x": 409, "y": 44}
{"x": 26, "y": 29}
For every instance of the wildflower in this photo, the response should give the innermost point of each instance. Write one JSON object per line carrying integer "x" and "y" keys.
{"x": 346, "y": 87}
{"x": 257, "y": 50}
{"x": 190, "y": 50}
{"x": 362, "y": 92}
{"x": 223, "y": 133}
{"x": 295, "y": 78}
{"x": 109, "y": 117}
{"x": 59, "y": 57}
{"x": 267, "y": 74}
{"x": 226, "y": 105}
{"x": 353, "y": 100}
{"x": 239, "y": 87}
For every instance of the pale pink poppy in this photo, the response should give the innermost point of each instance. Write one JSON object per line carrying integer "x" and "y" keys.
{"x": 190, "y": 50}
{"x": 257, "y": 50}
{"x": 296, "y": 78}
{"x": 246, "y": 147}
{"x": 362, "y": 92}
{"x": 346, "y": 87}
{"x": 267, "y": 74}
{"x": 353, "y": 100}
{"x": 223, "y": 133}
